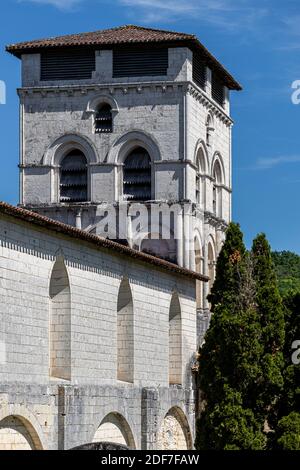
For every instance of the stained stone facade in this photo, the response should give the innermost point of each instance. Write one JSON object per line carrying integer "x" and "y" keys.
{"x": 99, "y": 337}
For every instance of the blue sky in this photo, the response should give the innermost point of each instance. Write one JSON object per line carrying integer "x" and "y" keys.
{"x": 257, "y": 40}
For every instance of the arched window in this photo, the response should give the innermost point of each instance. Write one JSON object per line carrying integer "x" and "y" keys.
{"x": 175, "y": 342}
{"x": 103, "y": 121}
{"x": 199, "y": 270}
{"x": 73, "y": 178}
{"x": 211, "y": 265}
{"x": 217, "y": 195}
{"x": 60, "y": 322}
{"x": 201, "y": 168}
{"x": 137, "y": 176}
{"x": 209, "y": 130}
{"x": 125, "y": 334}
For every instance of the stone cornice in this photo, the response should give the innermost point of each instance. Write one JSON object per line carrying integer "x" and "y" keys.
{"x": 215, "y": 221}
{"x": 137, "y": 87}
{"x": 109, "y": 88}
{"x": 208, "y": 102}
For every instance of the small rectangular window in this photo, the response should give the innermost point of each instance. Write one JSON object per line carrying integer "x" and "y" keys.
{"x": 217, "y": 89}
{"x": 103, "y": 120}
{"x": 199, "y": 70}
{"x": 68, "y": 64}
{"x": 140, "y": 62}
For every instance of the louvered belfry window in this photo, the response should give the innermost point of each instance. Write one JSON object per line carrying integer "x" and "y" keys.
{"x": 199, "y": 70}
{"x": 137, "y": 176}
{"x": 68, "y": 64}
{"x": 217, "y": 89}
{"x": 73, "y": 178}
{"x": 138, "y": 62}
{"x": 103, "y": 119}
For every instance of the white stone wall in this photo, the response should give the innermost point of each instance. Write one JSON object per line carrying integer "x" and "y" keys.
{"x": 27, "y": 259}
{"x": 49, "y": 116}
{"x": 220, "y": 147}
{"x": 56, "y": 414}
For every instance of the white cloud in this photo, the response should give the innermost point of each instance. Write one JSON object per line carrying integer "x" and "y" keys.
{"x": 232, "y": 15}
{"x": 268, "y": 163}
{"x": 227, "y": 14}
{"x": 289, "y": 33}
{"x": 60, "y": 4}
{"x": 167, "y": 6}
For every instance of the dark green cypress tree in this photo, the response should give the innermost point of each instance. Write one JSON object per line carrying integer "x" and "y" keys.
{"x": 272, "y": 324}
{"x": 229, "y": 426}
{"x": 229, "y": 359}
{"x": 287, "y": 435}
{"x": 288, "y": 432}
{"x": 229, "y": 265}
{"x": 291, "y": 393}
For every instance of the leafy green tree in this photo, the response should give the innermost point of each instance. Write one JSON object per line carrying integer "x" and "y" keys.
{"x": 241, "y": 363}
{"x": 288, "y": 432}
{"x": 287, "y": 435}
{"x": 291, "y": 393}
{"x": 228, "y": 270}
{"x": 267, "y": 295}
{"x": 272, "y": 325}
{"x": 229, "y": 426}
{"x": 287, "y": 265}
{"x": 230, "y": 357}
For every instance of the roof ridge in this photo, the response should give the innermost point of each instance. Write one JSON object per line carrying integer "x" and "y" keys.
{"x": 134, "y": 26}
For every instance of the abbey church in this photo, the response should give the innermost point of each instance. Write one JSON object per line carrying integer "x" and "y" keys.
{"x": 106, "y": 263}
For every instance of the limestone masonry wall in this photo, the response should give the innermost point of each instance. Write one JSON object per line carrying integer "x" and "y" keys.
{"x": 66, "y": 408}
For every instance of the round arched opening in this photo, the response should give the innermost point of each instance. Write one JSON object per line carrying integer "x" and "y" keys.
{"x": 137, "y": 176}
{"x": 115, "y": 429}
{"x": 74, "y": 178}
{"x": 174, "y": 433}
{"x": 16, "y": 433}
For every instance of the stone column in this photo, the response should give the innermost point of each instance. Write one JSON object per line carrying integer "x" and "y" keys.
{"x": 150, "y": 412}
{"x": 186, "y": 239}
{"x": 192, "y": 255}
{"x": 206, "y": 284}
{"x": 78, "y": 219}
{"x": 208, "y": 81}
{"x": 179, "y": 236}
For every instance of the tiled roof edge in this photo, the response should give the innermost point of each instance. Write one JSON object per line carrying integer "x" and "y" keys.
{"x": 59, "y": 227}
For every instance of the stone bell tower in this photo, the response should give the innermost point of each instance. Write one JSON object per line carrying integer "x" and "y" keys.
{"x": 121, "y": 124}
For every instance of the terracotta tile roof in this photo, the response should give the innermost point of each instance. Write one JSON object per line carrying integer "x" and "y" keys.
{"x": 99, "y": 242}
{"x": 121, "y": 35}
{"x": 128, "y": 34}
